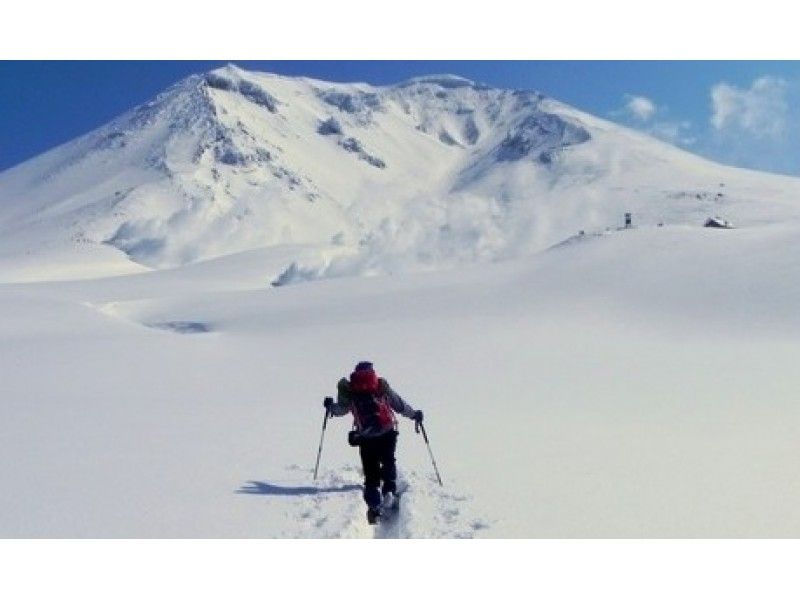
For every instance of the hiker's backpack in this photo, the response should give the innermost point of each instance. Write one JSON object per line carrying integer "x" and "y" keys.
{"x": 371, "y": 413}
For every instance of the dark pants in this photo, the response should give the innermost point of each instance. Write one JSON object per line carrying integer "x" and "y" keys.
{"x": 377, "y": 459}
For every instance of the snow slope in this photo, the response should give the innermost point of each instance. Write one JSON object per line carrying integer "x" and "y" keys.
{"x": 620, "y": 383}
{"x": 640, "y": 383}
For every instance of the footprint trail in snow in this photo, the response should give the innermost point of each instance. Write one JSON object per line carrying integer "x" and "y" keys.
{"x": 332, "y": 507}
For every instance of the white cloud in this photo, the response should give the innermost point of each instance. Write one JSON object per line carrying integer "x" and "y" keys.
{"x": 760, "y": 110}
{"x": 644, "y": 114}
{"x": 640, "y": 107}
{"x": 756, "y": 125}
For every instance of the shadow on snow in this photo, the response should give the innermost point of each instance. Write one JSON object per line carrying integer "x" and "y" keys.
{"x": 253, "y": 487}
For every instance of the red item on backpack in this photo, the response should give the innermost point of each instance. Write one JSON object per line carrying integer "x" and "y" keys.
{"x": 385, "y": 416}
{"x": 364, "y": 381}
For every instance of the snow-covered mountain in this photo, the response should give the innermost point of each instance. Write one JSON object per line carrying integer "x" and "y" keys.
{"x": 617, "y": 383}
{"x": 360, "y": 179}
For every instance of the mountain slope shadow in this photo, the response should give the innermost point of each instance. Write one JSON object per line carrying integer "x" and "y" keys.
{"x": 253, "y": 487}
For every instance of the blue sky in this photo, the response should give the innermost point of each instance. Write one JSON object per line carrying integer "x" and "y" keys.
{"x": 740, "y": 113}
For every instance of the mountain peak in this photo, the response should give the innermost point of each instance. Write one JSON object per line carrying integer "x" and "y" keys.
{"x": 232, "y": 78}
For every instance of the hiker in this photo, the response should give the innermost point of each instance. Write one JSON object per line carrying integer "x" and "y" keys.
{"x": 373, "y": 402}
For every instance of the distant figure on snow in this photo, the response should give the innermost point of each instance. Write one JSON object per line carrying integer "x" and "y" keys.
{"x": 373, "y": 403}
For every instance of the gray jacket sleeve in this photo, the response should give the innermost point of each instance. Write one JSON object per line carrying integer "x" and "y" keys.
{"x": 342, "y": 405}
{"x": 398, "y": 404}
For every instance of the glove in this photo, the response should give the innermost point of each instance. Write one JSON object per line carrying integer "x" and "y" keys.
{"x": 328, "y": 402}
{"x": 417, "y": 416}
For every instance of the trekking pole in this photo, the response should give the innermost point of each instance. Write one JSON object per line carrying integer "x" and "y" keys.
{"x": 321, "y": 438}
{"x": 417, "y": 427}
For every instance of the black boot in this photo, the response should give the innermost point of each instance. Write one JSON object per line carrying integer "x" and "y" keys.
{"x": 373, "y": 515}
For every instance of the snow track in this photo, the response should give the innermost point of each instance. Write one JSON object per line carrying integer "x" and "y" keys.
{"x": 332, "y": 507}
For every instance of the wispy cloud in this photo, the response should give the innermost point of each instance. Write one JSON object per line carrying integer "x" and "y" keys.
{"x": 640, "y": 107}
{"x": 760, "y": 111}
{"x": 755, "y": 126}
{"x": 678, "y": 132}
{"x": 644, "y": 114}
{"x": 752, "y": 125}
